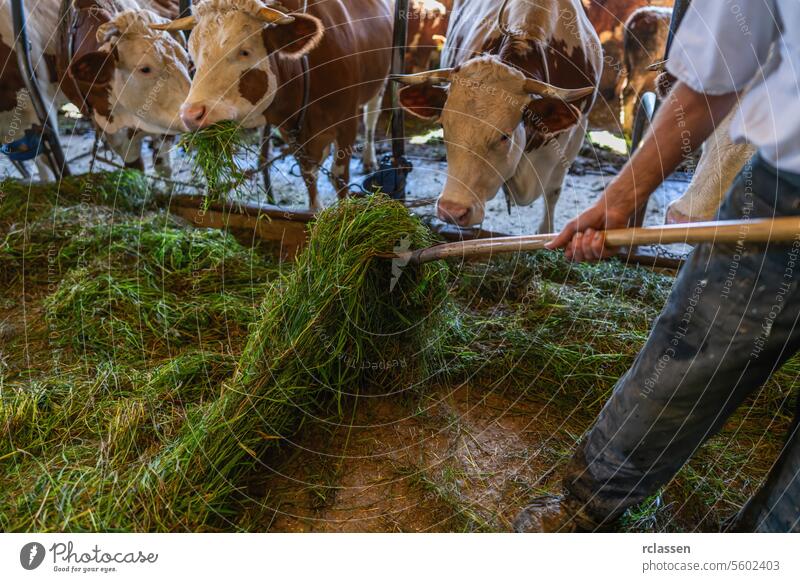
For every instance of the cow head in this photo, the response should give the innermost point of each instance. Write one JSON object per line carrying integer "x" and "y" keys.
{"x": 138, "y": 77}
{"x": 484, "y": 110}
{"x": 233, "y": 45}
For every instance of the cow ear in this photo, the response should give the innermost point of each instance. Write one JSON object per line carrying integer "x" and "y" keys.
{"x": 296, "y": 38}
{"x": 548, "y": 115}
{"x": 425, "y": 101}
{"x": 93, "y": 69}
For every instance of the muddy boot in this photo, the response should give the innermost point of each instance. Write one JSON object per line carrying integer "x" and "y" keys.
{"x": 551, "y": 514}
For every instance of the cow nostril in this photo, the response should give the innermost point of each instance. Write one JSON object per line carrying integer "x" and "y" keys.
{"x": 452, "y": 212}
{"x": 194, "y": 115}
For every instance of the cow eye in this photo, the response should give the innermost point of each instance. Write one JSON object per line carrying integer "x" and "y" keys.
{"x": 504, "y": 137}
{"x": 146, "y": 70}
{"x": 244, "y": 53}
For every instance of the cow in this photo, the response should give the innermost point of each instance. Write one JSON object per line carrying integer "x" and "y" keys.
{"x": 519, "y": 80}
{"x": 644, "y": 42}
{"x": 608, "y": 18}
{"x": 248, "y": 60}
{"x": 427, "y": 26}
{"x": 104, "y": 57}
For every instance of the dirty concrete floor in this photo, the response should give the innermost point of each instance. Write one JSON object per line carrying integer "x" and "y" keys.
{"x": 456, "y": 459}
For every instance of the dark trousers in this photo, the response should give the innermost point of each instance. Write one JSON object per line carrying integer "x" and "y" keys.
{"x": 730, "y": 321}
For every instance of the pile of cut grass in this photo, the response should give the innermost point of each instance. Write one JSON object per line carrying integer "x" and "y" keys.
{"x": 215, "y": 148}
{"x": 73, "y": 441}
{"x": 24, "y": 202}
{"x": 149, "y": 286}
{"x": 333, "y": 326}
{"x": 130, "y": 322}
{"x": 141, "y": 427}
{"x": 38, "y": 219}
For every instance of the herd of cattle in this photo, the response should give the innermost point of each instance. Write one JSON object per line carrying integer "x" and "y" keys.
{"x": 511, "y": 82}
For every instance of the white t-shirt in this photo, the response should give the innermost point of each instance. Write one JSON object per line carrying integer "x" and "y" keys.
{"x": 722, "y": 45}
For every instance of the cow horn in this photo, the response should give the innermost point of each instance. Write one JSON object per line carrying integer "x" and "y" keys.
{"x": 273, "y": 16}
{"x": 106, "y": 31}
{"x": 548, "y": 90}
{"x": 185, "y": 23}
{"x": 435, "y": 76}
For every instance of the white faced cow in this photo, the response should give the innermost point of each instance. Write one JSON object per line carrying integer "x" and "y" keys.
{"x": 128, "y": 77}
{"x": 512, "y": 102}
{"x": 247, "y": 55}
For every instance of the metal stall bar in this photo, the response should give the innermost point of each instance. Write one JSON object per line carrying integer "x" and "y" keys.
{"x": 678, "y": 12}
{"x": 50, "y": 143}
{"x": 393, "y": 169}
{"x": 398, "y": 116}
{"x": 184, "y": 10}
{"x": 185, "y": 7}
{"x": 26, "y": 175}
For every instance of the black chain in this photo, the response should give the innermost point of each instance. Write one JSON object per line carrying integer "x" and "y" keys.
{"x": 663, "y": 251}
{"x": 301, "y": 156}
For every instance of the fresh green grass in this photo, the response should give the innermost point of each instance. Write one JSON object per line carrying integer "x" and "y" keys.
{"x": 158, "y": 365}
{"x": 134, "y": 323}
{"x": 23, "y": 202}
{"x": 328, "y": 328}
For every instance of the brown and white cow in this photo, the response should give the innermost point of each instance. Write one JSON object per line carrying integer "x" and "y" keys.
{"x": 427, "y": 27}
{"x": 131, "y": 78}
{"x": 608, "y": 19}
{"x": 247, "y": 57}
{"x": 644, "y": 40}
{"x": 512, "y": 105}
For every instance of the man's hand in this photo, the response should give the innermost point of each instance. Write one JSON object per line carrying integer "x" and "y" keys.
{"x": 684, "y": 120}
{"x": 583, "y": 237}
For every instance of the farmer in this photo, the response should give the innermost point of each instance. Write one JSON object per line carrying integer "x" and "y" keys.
{"x": 732, "y": 317}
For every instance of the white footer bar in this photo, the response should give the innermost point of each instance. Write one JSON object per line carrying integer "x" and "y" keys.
{"x": 406, "y": 557}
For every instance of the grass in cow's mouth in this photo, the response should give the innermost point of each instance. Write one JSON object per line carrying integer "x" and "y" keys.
{"x": 215, "y": 148}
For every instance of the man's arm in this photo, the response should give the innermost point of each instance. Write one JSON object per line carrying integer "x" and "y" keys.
{"x": 681, "y": 125}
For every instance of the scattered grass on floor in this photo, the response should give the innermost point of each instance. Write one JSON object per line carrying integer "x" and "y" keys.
{"x": 23, "y": 202}
{"x": 563, "y": 334}
{"x": 148, "y": 379}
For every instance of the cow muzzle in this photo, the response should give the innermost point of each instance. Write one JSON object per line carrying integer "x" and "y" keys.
{"x": 457, "y": 213}
{"x": 194, "y": 116}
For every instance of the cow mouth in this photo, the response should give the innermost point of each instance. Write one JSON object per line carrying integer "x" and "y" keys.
{"x": 460, "y": 215}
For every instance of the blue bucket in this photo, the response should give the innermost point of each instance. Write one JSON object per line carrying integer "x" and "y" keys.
{"x": 388, "y": 179}
{"x": 25, "y": 149}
